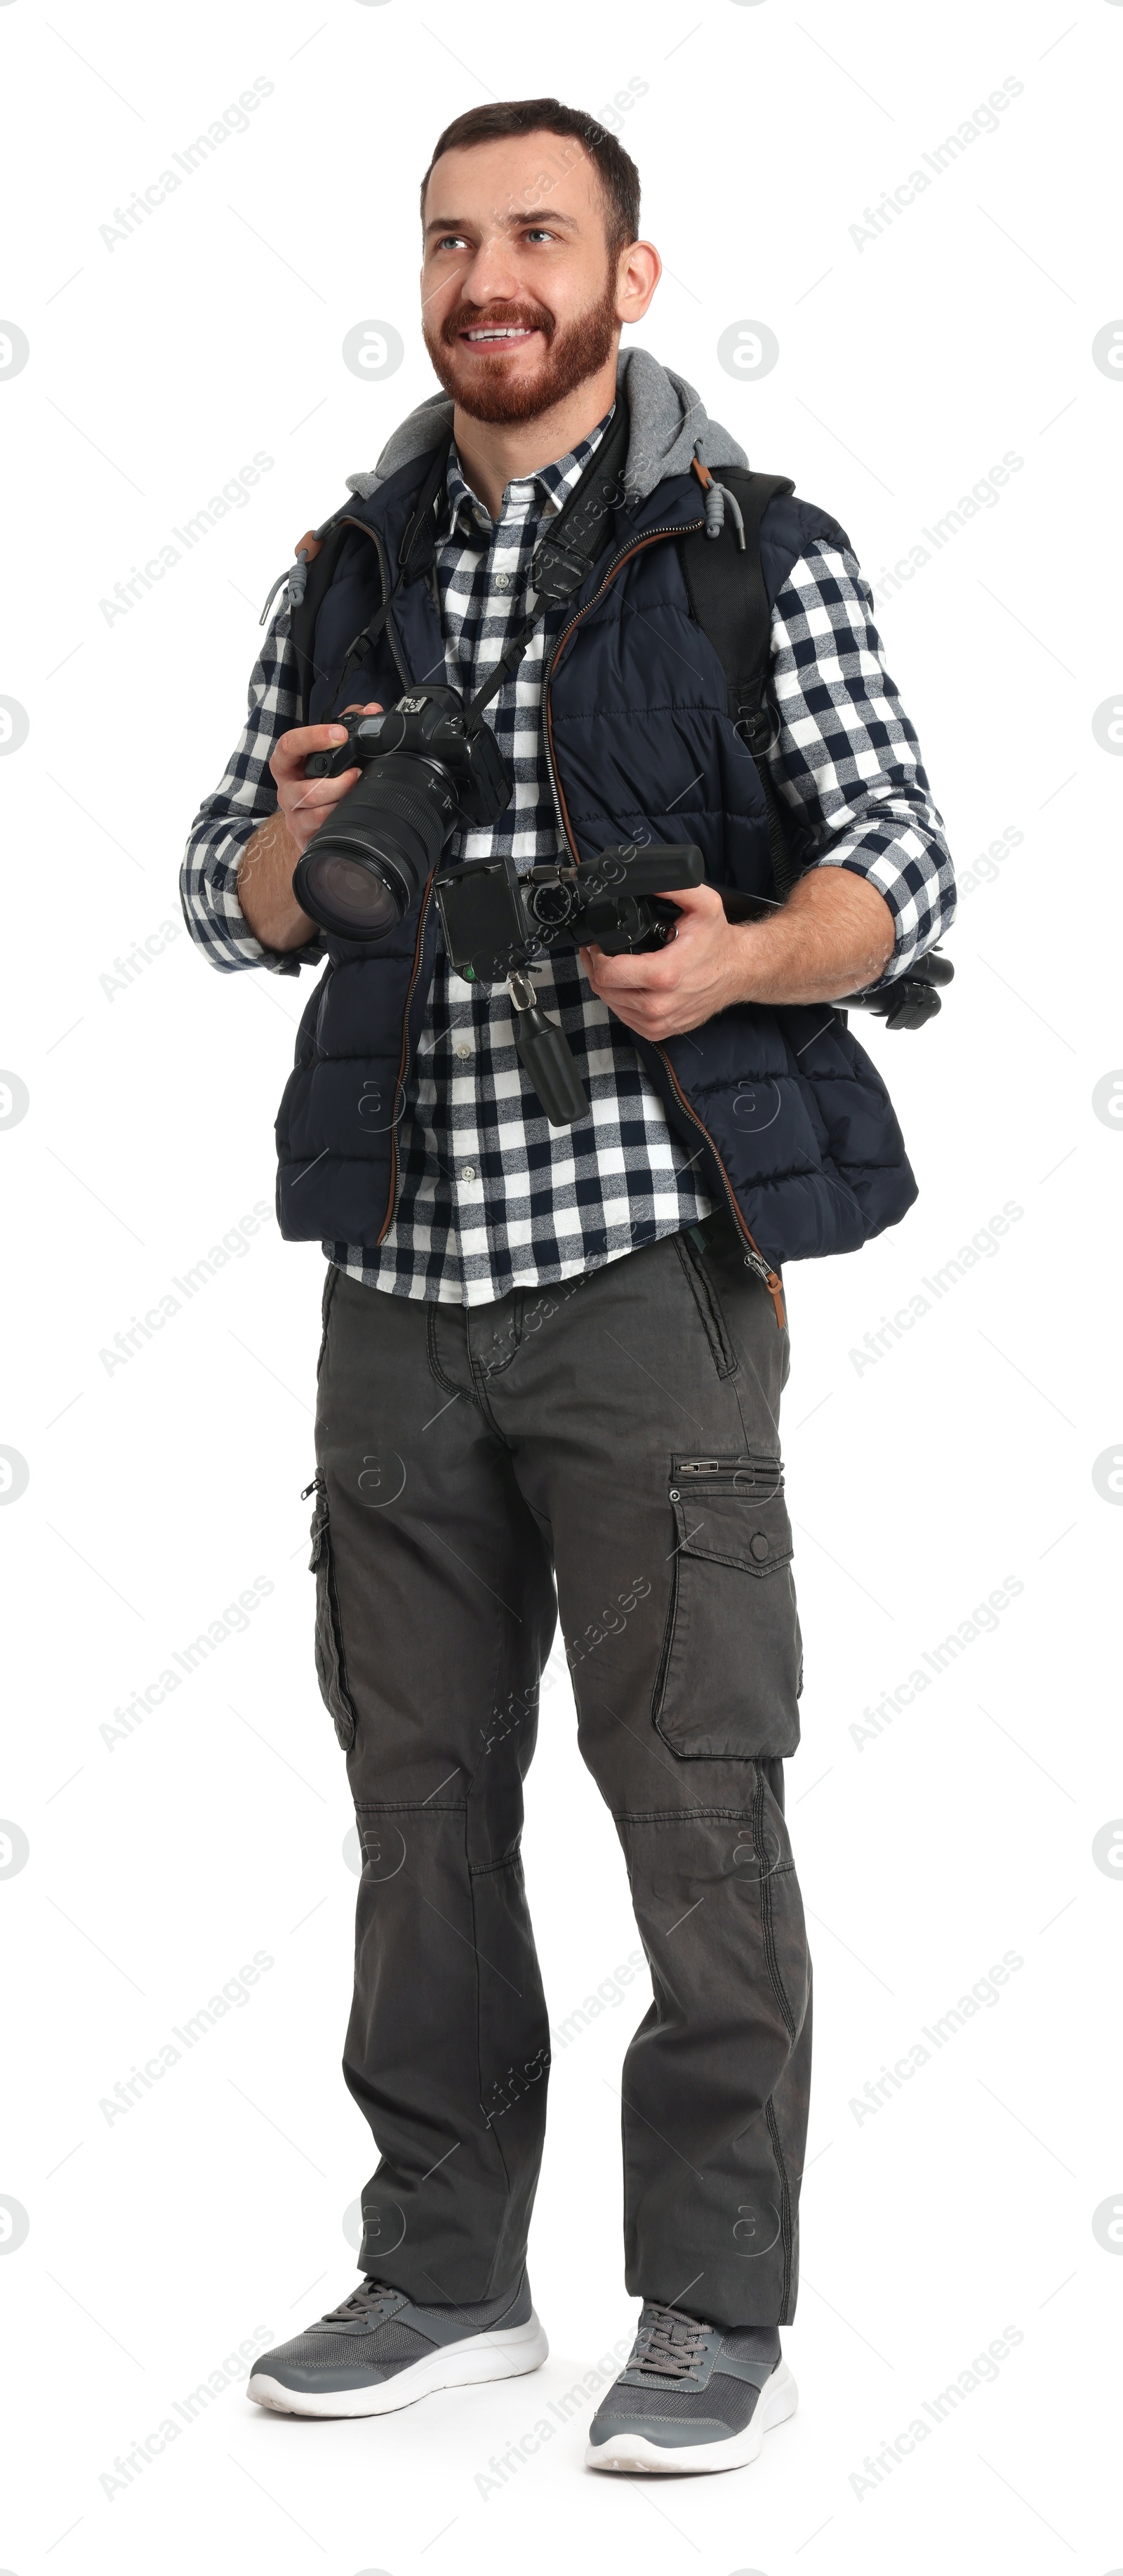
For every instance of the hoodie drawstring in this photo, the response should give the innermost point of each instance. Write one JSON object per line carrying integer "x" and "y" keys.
{"x": 307, "y": 549}
{"x": 719, "y": 498}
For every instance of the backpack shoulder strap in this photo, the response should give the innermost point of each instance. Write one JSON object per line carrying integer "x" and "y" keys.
{"x": 727, "y": 593}
{"x": 323, "y": 555}
{"x": 317, "y": 559}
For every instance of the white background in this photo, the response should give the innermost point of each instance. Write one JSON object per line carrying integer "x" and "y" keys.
{"x": 211, "y": 2213}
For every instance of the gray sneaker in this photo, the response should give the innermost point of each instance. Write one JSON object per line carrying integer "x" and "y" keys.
{"x": 379, "y": 2351}
{"x": 692, "y": 2397}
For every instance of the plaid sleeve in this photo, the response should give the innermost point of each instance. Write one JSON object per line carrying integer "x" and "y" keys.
{"x": 227, "y": 819}
{"x": 846, "y": 758}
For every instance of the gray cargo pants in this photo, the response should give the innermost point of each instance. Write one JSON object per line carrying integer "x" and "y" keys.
{"x": 616, "y": 1437}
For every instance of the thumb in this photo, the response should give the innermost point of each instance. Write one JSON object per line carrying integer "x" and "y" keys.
{"x": 703, "y": 899}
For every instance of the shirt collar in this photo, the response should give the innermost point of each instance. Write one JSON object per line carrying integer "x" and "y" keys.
{"x": 550, "y": 484}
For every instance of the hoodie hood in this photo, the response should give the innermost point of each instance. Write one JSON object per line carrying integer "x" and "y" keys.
{"x": 668, "y": 422}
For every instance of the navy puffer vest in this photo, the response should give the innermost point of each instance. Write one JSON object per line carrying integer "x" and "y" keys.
{"x": 791, "y": 1123}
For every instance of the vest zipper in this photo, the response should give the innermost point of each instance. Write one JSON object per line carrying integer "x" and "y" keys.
{"x": 754, "y": 1259}
{"x": 403, "y": 1063}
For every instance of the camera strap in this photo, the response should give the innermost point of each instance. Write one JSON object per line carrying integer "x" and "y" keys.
{"x": 562, "y": 560}
{"x": 567, "y": 550}
{"x": 417, "y": 526}
{"x": 570, "y": 543}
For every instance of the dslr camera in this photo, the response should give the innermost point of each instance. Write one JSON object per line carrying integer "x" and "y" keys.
{"x": 427, "y": 766}
{"x": 423, "y": 772}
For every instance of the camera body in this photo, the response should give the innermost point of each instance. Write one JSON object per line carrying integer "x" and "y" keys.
{"x": 497, "y": 923}
{"x": 430, "y": 724}
{"x": 423, "y": 772}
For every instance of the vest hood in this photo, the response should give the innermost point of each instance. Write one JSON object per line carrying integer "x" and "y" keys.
{"x": 669, "y": 425}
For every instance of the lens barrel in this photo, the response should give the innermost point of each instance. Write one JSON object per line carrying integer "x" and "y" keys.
{"x": 364, "y": 867}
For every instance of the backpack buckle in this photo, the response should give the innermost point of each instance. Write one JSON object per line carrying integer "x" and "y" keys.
{"x": 759, "y": 727}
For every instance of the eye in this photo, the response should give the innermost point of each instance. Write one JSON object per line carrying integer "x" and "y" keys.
{"x": 450, "y": 241}
{"x": 538, "y": 233}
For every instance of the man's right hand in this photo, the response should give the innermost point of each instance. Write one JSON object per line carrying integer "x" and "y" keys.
{"x": 268, "y": 860}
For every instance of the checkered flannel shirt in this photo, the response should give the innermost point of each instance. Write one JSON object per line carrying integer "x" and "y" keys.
{"x": 491, "y": 1196}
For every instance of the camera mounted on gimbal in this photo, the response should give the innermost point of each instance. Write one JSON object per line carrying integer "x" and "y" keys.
{"x": 497, "y": 924}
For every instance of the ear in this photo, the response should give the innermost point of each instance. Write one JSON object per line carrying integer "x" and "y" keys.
{"x": 639, "y": 270}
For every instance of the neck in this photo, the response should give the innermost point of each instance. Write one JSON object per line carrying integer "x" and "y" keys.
{"x": 495, "y": 453}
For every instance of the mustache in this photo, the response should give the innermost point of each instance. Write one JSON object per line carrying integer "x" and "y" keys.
{"x": 497, "y": 317}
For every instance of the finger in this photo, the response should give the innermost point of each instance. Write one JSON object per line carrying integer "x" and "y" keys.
{"x": 653, "y": 1025}
{"x": 318, "y": 791}
{"x": 699, "y": 898}
{"x": 657, "y": 973}
{"x": 295, "y": 748}
{"x": 641, "y": 1026}
{"x": 319, "y": 738}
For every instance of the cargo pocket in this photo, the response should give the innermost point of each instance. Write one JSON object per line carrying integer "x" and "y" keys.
{"x": 331, "y": 1662}
{"x": 731, "y": 1669}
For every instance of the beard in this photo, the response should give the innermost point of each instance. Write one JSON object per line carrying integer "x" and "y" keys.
{"x": 489, "y": 389}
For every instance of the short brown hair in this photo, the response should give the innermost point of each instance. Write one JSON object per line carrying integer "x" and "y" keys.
{"x": 617, "y": 172}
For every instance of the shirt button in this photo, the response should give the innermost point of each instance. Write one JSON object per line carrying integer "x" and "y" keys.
{"x": 502, "y": 581}
{"x": 467, "y": 1171}
{"x": 463, "y": 1051}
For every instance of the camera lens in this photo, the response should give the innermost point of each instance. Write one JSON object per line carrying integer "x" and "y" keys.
{"x": 369, "y": 859}
{"x": 353, "y": 896}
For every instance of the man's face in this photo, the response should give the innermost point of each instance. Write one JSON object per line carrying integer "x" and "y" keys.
{"x": 519, "y": 294}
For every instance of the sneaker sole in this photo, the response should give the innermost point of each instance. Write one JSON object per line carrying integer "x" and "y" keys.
{"x": 503, "y": 2355}
{"x": 778, "y": 2399}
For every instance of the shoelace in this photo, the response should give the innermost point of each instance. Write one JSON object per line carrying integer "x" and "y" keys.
{"x": 669, "y": 2344}
{"x": 369, "y": 2300}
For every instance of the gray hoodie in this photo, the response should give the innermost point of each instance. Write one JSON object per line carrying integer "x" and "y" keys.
{"x": 669, "y": 426}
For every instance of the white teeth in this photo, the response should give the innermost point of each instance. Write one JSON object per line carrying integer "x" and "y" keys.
{"x": 517, "y": 333}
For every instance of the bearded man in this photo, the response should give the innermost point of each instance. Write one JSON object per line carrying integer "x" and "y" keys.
{"x": 553, "y": 1351}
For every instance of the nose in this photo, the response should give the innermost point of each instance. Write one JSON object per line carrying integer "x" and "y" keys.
{"x": 493, "y": 277}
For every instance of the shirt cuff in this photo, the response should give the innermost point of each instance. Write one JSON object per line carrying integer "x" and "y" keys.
{"x": 915, "y": 882}
{"x": 216, "y": 920}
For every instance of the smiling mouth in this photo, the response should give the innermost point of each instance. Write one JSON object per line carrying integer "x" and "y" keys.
{"x": 512, "y": 335}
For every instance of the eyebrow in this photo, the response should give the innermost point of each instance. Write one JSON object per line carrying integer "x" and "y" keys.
{"x": 535, "y": 215}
